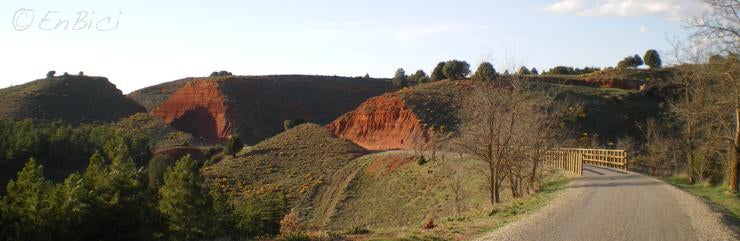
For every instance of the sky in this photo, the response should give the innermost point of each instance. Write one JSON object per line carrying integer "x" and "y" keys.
{"x": 142, "y": 43}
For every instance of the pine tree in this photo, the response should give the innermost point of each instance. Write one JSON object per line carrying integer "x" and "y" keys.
{"x": 184, "y": 203}
{"x": 485, "y": 72}
{"x": 523, "y": 71}
{"x": 27, "y": 205}
{"x": 399, "y": 78}
{"x": 535, "y": 71}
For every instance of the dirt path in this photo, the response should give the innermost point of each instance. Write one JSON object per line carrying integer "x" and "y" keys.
{"x": 330, "y": 196}
{"x": 607, "y": 204}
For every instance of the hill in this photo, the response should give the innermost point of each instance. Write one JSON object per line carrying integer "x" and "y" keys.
{"x": 297, "y": 162}
{"x": 160, "y": 134}
{"x": 402, "y": 119}
{"x": 255, "y": 107}
{"x": 70, "y": 98}
{"x": 152, "y": 96}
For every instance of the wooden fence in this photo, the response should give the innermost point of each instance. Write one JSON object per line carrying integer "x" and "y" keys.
{"x": 573, "y": 159}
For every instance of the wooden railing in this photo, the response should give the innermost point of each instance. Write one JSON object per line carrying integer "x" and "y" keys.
{"x": 573, "y": 159}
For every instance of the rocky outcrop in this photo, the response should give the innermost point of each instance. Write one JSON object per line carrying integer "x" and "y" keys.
{"x": 381, "y": 123}
{"x": 254, "y": 107}
{"x": 198, "y": 108}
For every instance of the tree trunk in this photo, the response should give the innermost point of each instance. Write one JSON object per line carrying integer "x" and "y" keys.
{"x": 732, "y": 177}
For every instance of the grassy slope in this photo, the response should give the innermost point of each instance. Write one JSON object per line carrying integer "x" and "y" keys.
{"x": 69, "y": 98}
{"x": 296, "y": 162}
{"x": 161, "y": 135}
{"x": 610, "y": 113}
{"x": 151, "y": 97}
{"x": 395, "y": 205}
{"x": 717, "y": 195}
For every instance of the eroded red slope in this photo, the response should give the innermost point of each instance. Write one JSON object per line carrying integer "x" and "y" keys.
{"x": 381, "y": 123}
{"x": 198, "y": 108}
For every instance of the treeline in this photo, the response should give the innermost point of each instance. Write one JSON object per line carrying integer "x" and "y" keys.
{"x": 116, "y": 201}
{"x": 62, "y": 147}
{"x": 116, "y": 190}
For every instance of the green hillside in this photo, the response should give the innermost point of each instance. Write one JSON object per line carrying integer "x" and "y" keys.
{"x": 70, "y": 98}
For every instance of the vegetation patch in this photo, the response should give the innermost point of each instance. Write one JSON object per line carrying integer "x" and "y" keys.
{"x": 718, "y": 195}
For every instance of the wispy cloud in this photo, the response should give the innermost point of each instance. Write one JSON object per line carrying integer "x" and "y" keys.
{"x": 668, "y": 9}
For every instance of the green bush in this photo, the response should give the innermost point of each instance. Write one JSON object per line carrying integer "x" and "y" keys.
{"x": 456, "y": 69}
{"x": 421, "y": 160}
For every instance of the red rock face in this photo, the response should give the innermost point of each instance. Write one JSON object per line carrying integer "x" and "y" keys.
{"x": 381, "y": 123}
{"x": 198, "y": 108}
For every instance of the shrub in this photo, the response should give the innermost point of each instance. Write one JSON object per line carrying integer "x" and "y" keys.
{"x": 298, "y": 236}
{"x": 419, "y": 77}
{"x": 290, "y": 223}
{"x": 485, "y": 72}
{"x": 257, "y": 216}
{"x": 51, "y": 74}
{"x": 357, "y": 229}
{"x": 523, "y": 71}
{"x": 233, "y": 146}
{"x": 334, "y": 236}
{"x": 421, "y": 160}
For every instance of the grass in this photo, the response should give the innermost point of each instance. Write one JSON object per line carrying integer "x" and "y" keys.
{"x": 395, "y": 204}
{"x": 717, "y": 195}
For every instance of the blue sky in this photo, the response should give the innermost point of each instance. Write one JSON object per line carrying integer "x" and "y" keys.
{"x": 147, "y": 42}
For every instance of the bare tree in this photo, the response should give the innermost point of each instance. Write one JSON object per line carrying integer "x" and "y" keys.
{"x": 655, "y": 143}
{"x": 720, "y": 27}
{"x": 504, "y": 124}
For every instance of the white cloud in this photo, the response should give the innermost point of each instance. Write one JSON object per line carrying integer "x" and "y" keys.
{"x": 564, "y": 6}
{"x": 644, "y": 29}
{"x": 668, "y": 9}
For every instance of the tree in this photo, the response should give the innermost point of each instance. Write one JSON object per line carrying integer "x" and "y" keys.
{"x": 638, "y": 61}
{"x": 655, "y": 143}
{"x": 534, "y": 71}
{"x": 400, "y": 79}
{"x": 50, "y": 74}
{"x": 501, "y": 126}
{"x": 523, "y": 71}
{"x": 652, "y": 59}
{"x": 233, "y": 146}
{"x": 184, "y": 203}
{"x": 367, "y": 76}
{"x": 485, "y": 72}
{"x": 721, "y": 25}
{"x": 456, "y": 69}
{"x": 420, "y": 77}
{"x": 630, "y": 62}
{"x": 437, "y": 73}
{"x": 26, "y": 204}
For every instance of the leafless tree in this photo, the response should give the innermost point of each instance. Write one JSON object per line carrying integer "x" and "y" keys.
{"x": 719, "y": 31}
{"x": 655, "y": 143}
{"x": 504, "y": 124}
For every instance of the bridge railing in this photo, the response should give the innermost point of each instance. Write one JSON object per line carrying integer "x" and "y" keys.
{"x": 573, "y": 159}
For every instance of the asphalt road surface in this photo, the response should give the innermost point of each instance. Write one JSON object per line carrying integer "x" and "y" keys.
{"x": 607, "y": 204}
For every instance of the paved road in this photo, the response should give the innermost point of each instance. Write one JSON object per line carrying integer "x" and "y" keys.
{"x": 607, "y": 204}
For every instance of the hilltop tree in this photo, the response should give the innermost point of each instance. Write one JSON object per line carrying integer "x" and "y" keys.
{"x": 50, "y": 74}
{"x": 456, "y": 69}
{"x": 506, "y": 72}
{"x": 437, "y": 73}
{"x": 399, "y": 78}
{"x": 630, "y": 62}
{"x": 485, "y": 72}
{"x": 523, "y": 71}
{"x": 184, "y": 203}
{"x": 534, "y": 71}
{"x": 367, "y": 76}
{"x": 652, "y": 59}
{"x": 420, "y": 77}
{"x": 233, "y": 146}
